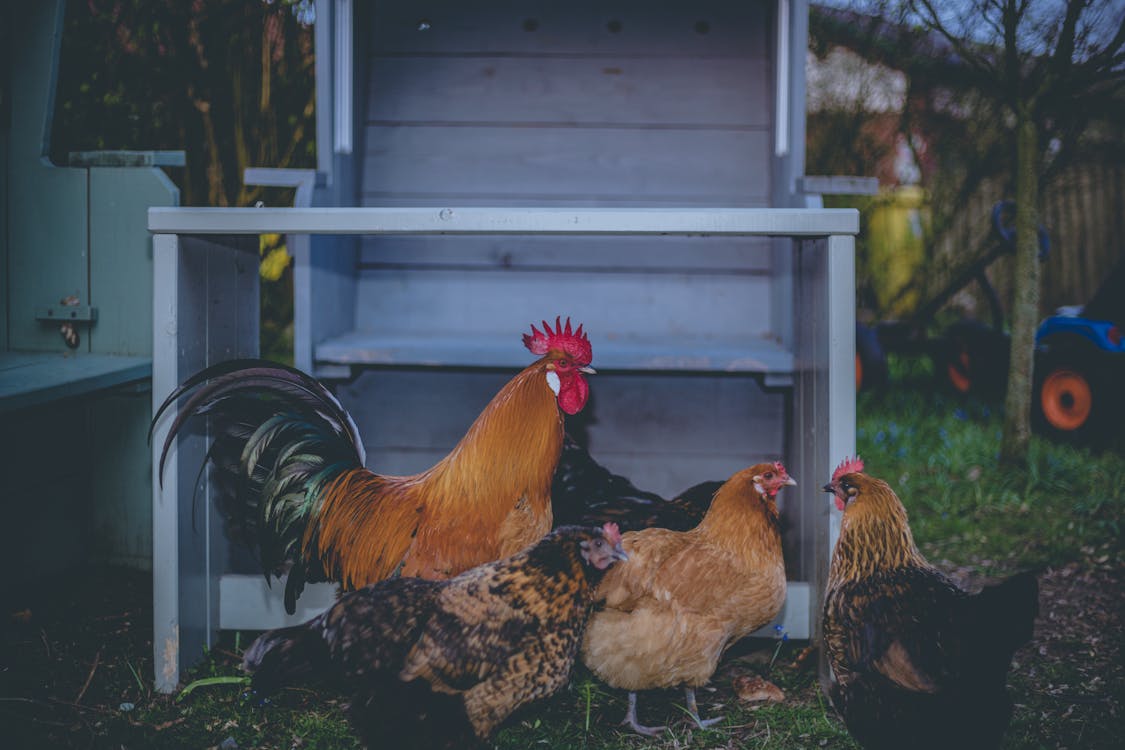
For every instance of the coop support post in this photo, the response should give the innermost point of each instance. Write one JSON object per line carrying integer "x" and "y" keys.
{"x": 165, "y": 525}
{"x": 824, "y": 398}
{"x": 205, "y": 312}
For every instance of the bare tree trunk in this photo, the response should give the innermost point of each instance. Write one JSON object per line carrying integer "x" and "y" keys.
{"x": 1025, "y": 304}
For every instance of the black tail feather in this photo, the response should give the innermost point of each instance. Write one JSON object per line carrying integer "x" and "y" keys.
{"x": 220, "y": 382}
{"x": 280, "y": 438}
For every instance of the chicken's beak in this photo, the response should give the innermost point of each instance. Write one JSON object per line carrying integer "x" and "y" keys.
{"x": 829, "y": 488}
{"x": 588, "y": 370}
{"x": 789, "y": 482}
{"x": 619, "y": 553}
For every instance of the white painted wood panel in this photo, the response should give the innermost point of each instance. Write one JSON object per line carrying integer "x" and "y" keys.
{"x": 462, "y": 164}
{"x": 709, "y": 28}
{"x": 648, "y": 92}
{"x": 477, "y": 303}
{"x": 746, "y": 255}
{"x": 729, "y": 352}
{"x": 455, "y": 220}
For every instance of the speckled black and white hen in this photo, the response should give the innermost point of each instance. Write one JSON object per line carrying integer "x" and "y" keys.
{"x": 444, "y": 663}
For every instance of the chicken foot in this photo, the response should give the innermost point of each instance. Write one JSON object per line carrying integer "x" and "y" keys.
{"x": 631, "y": 719}
{"x": 693, "y": 711}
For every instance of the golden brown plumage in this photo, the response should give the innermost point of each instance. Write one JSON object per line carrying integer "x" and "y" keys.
{"x": 292, "y": 477}
{"x": 917, "y": 661}
{"x": 444, "y": 663}
{"x": 684, "y": 597}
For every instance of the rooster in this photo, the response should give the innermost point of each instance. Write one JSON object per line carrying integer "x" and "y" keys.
{"x": 292, "y": 479}
{"x": 444, "y": 663}
{"x": 684, "y": 597}
{"x": 918, "y": 662}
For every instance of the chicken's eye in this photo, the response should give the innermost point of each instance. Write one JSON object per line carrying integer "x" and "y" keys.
{"x": 599, "y": 543}
{"x": 769, "y": 475}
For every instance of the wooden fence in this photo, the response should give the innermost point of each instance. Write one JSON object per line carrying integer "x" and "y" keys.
{"x": 1083, "y": 211}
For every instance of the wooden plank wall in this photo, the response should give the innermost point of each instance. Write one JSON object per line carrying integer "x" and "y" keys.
{"x": 1082, "y": 212}
{"x": 633, "y": 103}
{"x": 589, "y": 104}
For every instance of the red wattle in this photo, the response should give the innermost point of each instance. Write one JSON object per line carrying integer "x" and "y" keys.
{"x": 839, "y": 503}
{"x": 573, "y": 393}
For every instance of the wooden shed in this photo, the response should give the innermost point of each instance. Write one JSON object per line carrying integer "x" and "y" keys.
{"x": 635, "y": 165}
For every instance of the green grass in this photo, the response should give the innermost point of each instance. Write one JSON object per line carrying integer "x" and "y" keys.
{"x": 939, "y": 453}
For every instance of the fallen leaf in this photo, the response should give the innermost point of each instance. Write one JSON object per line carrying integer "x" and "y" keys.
{"x": 754, "y": 689}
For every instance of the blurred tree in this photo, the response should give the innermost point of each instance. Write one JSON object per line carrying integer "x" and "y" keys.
{"x": 1050, "y": 67}
{"x": 230, "y": 82}
{"x": 1004, "y": 89}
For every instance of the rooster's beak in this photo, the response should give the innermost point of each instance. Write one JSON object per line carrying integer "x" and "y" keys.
{"x": 588, "y": 370}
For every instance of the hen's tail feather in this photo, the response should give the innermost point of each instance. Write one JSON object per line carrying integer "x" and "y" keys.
{"x": 1003, "y": 621}
{"x": 1014, "y": 605}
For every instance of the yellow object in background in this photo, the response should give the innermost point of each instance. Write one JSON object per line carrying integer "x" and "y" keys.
{"x": 896, "y": 247}
{"x": 274, "y": 254}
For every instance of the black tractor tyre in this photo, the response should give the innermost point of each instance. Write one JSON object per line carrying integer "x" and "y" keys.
{"x": 972, "y": 359}
{"x": 870, "y": 359}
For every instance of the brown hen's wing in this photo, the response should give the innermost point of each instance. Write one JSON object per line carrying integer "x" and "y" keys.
{"x": 901, "y": 625}
{"x": 627, "y": 584}
{"x": 665, "y": 565}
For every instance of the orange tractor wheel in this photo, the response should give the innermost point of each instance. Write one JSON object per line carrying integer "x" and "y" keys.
{"x": 1066, "y": 399}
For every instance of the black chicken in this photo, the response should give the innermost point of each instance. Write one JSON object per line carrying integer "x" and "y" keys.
{"x": 586, "y": 493}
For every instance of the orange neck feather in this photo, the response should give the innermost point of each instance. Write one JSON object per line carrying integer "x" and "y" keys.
{"x": 874, "y": 535}
{"x": 452, "y": 516}
{"x": 510, "y": 451}
{"x": 741, "y": 518}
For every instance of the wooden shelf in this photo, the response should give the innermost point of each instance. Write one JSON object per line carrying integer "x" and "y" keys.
{"x": 33, "y": 378}
{"x": 745, "y": 354}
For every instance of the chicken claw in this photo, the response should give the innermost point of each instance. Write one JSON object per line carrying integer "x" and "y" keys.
{"x": 636, "y": 726}
{"x": 693, "y": 711}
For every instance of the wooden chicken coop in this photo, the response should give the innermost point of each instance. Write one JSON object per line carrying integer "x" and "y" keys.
{"x": 637, "y": 166}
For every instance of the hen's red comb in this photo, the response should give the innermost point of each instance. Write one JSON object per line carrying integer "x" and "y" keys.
{"x": 573, "y": 343}
{"x": 780, "y": 468}
{"x": 848, "y": 466}
{"x": 612, "y": 533}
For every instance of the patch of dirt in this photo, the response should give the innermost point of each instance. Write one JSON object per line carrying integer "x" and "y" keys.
{"x": 76, "y": 666}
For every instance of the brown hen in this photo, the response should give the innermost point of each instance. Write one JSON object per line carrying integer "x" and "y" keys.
{"x": 684, "y": 597}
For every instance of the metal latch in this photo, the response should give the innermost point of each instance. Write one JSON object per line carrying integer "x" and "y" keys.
{"x": 67, "y": 314}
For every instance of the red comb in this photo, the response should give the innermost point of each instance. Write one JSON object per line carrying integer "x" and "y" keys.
{"x": 780, "y": 468}
{"x": 611, "y": 533}
{"x": 848, "y": 466}
{"x": 574, "y": 343}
